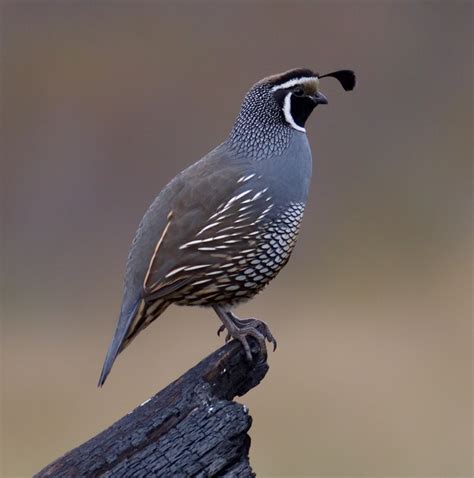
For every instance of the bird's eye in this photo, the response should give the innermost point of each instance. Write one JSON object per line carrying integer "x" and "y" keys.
{"x": 298, "y": 92}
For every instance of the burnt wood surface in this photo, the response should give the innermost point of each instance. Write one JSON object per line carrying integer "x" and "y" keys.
{"x": 190, "y": 428}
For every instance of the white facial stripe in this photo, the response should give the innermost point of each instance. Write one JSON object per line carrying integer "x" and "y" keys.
{"x": 287, "y": 112}
{"x": 296, "y": 81}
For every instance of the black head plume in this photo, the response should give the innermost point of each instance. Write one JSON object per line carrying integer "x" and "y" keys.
{"x": 346, "y": 78}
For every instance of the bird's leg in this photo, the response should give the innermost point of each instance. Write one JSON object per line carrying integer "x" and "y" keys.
{"x": 240, "y": 328}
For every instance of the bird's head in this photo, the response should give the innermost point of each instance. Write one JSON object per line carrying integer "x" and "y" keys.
{"x": 278, "y": 105}
{"x": 291, "y": 96}
{"x": 297, "y": 92}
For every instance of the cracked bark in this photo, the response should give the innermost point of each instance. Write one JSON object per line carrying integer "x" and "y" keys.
{"x": 190, "y": 428}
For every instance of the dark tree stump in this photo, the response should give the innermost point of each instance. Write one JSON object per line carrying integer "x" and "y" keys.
{"x": 190, "y": 428}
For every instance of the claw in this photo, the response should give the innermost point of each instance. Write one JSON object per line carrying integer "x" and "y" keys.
{"x": 255, "y": 323}
{"x": 220, "y": 330}
{"x": 239, "y": 329}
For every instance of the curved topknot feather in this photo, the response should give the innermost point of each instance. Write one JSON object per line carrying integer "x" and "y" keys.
{"x": 346, "y": 78}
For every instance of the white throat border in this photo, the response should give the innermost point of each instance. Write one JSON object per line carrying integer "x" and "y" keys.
{"x": 287, "y": 112}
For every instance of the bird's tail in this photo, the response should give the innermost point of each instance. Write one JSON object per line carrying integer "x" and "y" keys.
{"x": 129, "y": 325}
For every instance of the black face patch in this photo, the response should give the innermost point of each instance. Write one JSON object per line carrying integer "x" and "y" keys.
{"x": 300, "y": 109}
{"x": 301, "y": 104}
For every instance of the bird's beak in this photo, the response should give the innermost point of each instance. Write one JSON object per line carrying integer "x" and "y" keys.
{"x": 320, "y": 99}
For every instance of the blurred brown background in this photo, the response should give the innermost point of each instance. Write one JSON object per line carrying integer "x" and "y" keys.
{"x": 103, "y": 104}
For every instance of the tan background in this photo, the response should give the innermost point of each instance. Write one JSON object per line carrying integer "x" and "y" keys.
{"x": 103, "y": 104}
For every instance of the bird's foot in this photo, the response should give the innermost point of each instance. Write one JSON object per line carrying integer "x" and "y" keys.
{"x": 240, "y": 328}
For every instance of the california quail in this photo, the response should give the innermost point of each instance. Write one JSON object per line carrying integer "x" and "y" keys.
{"x": 223, "y": 228}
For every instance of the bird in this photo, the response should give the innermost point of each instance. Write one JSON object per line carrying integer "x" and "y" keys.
{"x": 223, "y": 228}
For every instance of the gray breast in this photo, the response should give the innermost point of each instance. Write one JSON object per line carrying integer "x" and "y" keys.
{"x": 289, "y": 175}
